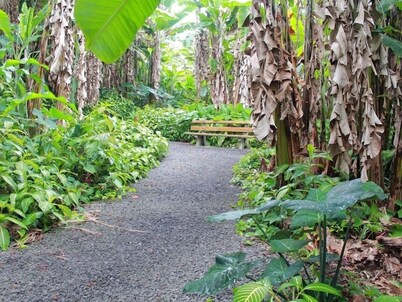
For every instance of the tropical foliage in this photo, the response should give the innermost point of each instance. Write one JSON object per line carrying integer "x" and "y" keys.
{"x": 320, "y": 82}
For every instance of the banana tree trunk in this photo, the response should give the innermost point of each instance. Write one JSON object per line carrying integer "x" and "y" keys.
{"x": 218, "y": 82}
{"x": 396, "y": 88}
{"x": 201, "y": 68}
{"x": 276, "y": 116}
{"x": 242, "y": 77}
{"x": 155, "y": 67}
{"x": 62, "y": 45}
{"x": 81, "y": 74}
{"x": 94, "y": 79}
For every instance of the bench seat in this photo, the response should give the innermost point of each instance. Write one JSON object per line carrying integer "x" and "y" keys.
{"x": 200, "y": 129}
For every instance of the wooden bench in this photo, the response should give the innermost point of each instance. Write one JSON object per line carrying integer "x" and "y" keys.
{"x": 237, "y": 129}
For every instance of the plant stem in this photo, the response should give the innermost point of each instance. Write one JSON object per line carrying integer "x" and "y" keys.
{"x": 261, "y": 229}
{"x": 307, "y": 274}
{"x": 338, "y": 267}
{"x": 251, "y": 278}
{"x": 283, "y": 257}
{"x": 323, "y": 253}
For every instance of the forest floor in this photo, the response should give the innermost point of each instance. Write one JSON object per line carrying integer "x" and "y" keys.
{"x": 142, "y": 248}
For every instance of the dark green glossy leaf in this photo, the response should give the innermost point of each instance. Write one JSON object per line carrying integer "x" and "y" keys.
{"x": 339, "y": 198}
{"x": 305, "y": 218}
{"x": 316, "y": 195}
{"x": 287, "y": 245}
{"x": 235, "y": 215}
{"x": 224, "y": 273}
{"x": 278, "y": 271}
{"x": 386, "y": 5}
{"x": 394, "y": 44}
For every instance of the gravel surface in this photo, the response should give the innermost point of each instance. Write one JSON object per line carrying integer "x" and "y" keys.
{"x": 143, "y": 248}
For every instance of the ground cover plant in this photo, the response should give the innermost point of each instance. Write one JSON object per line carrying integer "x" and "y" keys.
{"x": 315, "y": 225}
{"x": 318, "y": 75}
{"x": 45, "y": 178}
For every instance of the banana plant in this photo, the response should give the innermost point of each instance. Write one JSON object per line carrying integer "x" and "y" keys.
{"x": 316, "y": 210}
{"x": 110, "y": 26}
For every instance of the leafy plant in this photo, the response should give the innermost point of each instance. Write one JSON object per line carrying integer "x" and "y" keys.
{"x": 315, "y": 211}
{"x": 46, "y": 177}
{"x": 110, "y": 28}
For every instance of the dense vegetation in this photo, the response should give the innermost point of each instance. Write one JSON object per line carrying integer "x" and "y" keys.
{"x": 319, "y": 81}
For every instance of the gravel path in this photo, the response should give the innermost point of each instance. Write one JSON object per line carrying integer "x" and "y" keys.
{"x": 143, "y": 248}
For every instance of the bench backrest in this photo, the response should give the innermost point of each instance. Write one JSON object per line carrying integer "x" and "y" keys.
{"x": 221, "y": 126}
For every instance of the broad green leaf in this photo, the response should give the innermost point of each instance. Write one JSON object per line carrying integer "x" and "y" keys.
{"x": 385, "y": 5}
{"x": 348, "y": 193}
{"x": 278, "y": 271}
{"x": 339, "y": 198}
{"x": 110, "y": 26}
{"x": 394, "y": 44}
{"x": 305, "y": 218}
{"x": 396, "y": 231}
{"x": 30, "y": 219}
{"x": 308, "y": 298}
{"x": 233, "y": 3}
{"x": 235, "y": 215}
{"x": 232, "y": 215}
{"x": 66, "y": 210}
{"x": 25, "y": 203}
{"x": 4, "y": 238}
{"x": 5, "y": 25}
{"x": 316, "y": 195}
{"x": 17, "y": 222}
{"x": 10, "y": 181}
{"x": 323, "y": 288}
{"x": 387, "y": 299}
{"x": 224, "y": 273}
{"x": 60, "y": 115}
{"x": 252, "y": 292}
{"x": 74, "y": 197}
{"x": 45, "y": 206}
{"x": 90, "y": 168}
{"x": 287, "y": 245}
{"x": 371, "y": 190}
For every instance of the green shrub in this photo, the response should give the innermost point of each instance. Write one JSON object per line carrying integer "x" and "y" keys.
{"x": 44, "y": 178}
{"x": 119, "y": 106}
{"x": 172, "y": 123}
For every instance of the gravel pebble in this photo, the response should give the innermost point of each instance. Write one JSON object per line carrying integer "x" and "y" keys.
{"x": 142, "y": 248}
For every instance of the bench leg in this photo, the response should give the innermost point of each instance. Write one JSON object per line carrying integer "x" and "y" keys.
{"x": 198, "y": 140}
{"x": 204, "y": 140}
{"x": 242, "y": 143}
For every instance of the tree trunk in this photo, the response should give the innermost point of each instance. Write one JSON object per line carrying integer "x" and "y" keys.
{"x": 94, "y": 79}
{"x": 81, "y": 74}
{"x": 155, "y": 66}
{"x": 242, "y": 77}
{"x": 218, "y": 82}
{"x": 201, "y": 68}
{"x": 274, "y": 85}
{"x": 62, "y": 44}
{"x": 395, "y": 86}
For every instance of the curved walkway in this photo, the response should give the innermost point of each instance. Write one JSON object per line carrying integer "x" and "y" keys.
{"x": 143, "y": 248}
